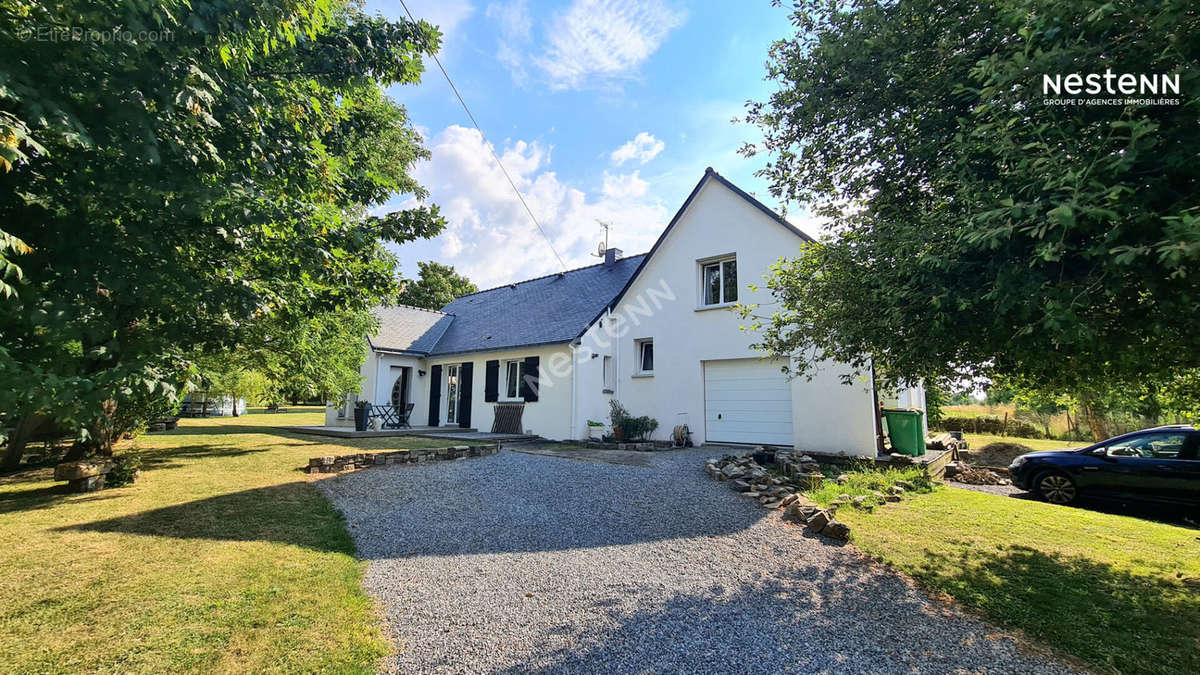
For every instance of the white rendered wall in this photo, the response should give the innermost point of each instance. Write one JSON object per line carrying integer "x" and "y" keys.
{"x": 550, "y": 416}
{"x": 663, "y": 303}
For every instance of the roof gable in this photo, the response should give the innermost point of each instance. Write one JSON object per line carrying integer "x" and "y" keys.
{"x": 709, "y": 174}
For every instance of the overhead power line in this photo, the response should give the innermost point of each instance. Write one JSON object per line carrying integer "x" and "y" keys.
{"x": 491, "y": 149}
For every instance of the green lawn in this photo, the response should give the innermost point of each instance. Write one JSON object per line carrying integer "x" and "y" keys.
{"x": 1119, "y": 593}
{"x": 222, "y": 558}
{"x": 976, "y": 441}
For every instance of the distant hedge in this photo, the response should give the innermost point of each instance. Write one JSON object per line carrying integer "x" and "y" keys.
{"x": 988, "y": 425}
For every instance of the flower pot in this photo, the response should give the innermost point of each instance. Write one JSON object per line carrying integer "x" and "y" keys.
{"x": 361, "y": 415}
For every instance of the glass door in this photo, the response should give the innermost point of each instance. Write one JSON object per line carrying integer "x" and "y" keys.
{"x": 451, "y": 394}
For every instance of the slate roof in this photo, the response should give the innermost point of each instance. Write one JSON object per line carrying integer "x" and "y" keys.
{"x": 546, "y": 310}
{"x": 409, "y": 329}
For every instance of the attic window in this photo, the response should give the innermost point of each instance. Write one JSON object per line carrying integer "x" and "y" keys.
{"x": 718, "y": 281}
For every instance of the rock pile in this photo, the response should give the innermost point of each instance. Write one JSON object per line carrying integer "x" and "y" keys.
{"x": 974, "y": 475}
{"x": 774, "y": 491}
{"x": 340, "y": 463}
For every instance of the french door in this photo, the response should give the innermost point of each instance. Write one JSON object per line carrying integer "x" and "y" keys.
{"x": 451, "y": 394}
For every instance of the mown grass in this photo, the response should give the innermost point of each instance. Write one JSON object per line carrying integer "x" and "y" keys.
{"x": 222, "y": 558}
{"x": 864, "y": 480}
{"x": 1118, "y": 593}
{"x": 976, "y": 441}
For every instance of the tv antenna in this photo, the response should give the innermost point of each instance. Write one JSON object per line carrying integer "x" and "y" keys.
{"x": 600, "y": 250}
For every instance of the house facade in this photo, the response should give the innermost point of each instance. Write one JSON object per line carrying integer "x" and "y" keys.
{"x": 657, "y": 332}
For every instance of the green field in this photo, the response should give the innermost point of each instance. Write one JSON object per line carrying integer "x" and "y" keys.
{"x": 221, "y": 558}
{"x": 1118, "y": 593}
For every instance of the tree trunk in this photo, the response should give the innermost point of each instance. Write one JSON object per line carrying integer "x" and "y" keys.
{"x": 25, "y": 428}
{"x": 1095, "y": 417}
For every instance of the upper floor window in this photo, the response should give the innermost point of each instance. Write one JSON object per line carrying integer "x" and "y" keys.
{"x": 645, "y": 356}
{"x": 718, "y": 281}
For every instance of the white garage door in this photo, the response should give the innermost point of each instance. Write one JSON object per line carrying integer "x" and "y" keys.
{"x": 747, "y": 401}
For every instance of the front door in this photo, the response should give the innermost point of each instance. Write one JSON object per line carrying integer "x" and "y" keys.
{"x": 451, "y": 394}
{"x": 400, "y": 389}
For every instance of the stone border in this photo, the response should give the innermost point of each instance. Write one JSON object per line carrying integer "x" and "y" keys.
{"x": 362, "y": 460}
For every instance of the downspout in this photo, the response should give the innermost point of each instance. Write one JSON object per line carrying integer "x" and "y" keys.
{"x": 375, "y": 389}
{"x": 574, "y": 383}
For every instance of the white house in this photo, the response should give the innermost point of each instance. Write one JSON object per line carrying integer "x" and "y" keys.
{"x": 655, "y": 331}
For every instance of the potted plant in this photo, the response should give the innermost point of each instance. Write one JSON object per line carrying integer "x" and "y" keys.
{"x": 362, "y": 413}
{"x": 595, "y": 429}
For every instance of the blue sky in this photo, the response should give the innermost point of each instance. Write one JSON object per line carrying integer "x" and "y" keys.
{"x": 604, "y": 110}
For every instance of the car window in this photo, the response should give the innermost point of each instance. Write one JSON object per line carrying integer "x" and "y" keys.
{"x": 1159, "y": 445}
{"x": 1191, "y": 447}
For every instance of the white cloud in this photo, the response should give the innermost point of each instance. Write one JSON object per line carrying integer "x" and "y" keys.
{"x": 491, "y": 239}
{"x": 594, "y": 42}
{"x": 624, "y": 185}
{"x": 516, "y": 30}
{"x": 643, "y": 148}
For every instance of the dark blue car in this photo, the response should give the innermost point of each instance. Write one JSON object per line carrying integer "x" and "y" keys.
{"x": 1154, "y": 465}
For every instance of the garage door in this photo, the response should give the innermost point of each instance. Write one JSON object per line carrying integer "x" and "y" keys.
{"x": 747, "y": 401}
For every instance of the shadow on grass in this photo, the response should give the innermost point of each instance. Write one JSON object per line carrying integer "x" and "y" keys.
{"x": 1105, "y": 616}
{"x": 292, "y": 513}
{"x": 45, "y": 497}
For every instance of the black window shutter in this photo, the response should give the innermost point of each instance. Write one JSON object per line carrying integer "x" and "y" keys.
{"x": 464, "y": 394}
{"x": 435, "y": 394}
{"x": 491, "y": 381}
{"x": 531, "y": 380}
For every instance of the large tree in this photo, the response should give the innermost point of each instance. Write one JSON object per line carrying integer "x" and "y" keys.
{"x": 206, "y": 172}
{"x": 437, "y": 285}
{"x": 976, "y": 228}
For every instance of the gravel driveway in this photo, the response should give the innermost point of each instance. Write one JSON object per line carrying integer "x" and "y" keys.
{"x": 524, "y": 563}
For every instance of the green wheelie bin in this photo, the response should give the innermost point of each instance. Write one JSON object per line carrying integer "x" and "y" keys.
{"x": 906, "y": 430}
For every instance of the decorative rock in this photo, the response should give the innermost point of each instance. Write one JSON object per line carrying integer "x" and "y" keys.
{"x": 788, "y": 499}
{"x": 836, "y": 530}
{"x": 739, "y": 485}
{"x": 79, "y": 470}
{"x": 859, "y": 501}
{"x": 842, "y": 479}
{"x": 892, "y": 498}
{"x": 905, "y": 485}
{"x": 819, "y": 520}
{"x": 772, "y": 504}
{"x": 751, "y": 493}
{"x": 810, "y": 481}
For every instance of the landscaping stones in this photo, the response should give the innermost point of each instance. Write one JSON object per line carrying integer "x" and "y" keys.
{"x": 965, "y": 473}
{"x": 343, "y": 463}
{"x": 751, "y": 480}
{"x": 86, "y": 476}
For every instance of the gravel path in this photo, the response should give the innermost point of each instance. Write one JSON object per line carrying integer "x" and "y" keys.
{"x": 1002, "y": 490}
{"x": 522, "y": 563}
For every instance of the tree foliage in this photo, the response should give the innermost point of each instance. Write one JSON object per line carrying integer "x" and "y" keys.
{"x": 436, "y": 286}
{"x": 183, "y": 195}
{"x": 977, "y": 230}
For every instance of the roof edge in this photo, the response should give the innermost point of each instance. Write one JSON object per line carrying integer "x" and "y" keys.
{"x": 709, "y": 172}
{"x": 544, "y": 276}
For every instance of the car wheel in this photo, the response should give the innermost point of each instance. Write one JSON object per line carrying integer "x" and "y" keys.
{"x": 1056, "y": 488}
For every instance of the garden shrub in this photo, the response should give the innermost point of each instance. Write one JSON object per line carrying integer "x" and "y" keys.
{"x": 630, "y": 428}
{"x": 125, "y": 469}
